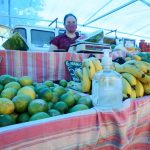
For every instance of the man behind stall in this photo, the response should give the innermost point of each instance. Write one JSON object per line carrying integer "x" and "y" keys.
{"x": 62, "y": 42}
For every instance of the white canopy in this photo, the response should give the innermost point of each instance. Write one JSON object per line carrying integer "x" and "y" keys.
{"x": 126, "y": 18}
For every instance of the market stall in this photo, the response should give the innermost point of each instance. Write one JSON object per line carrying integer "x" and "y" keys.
{"x": 51, "y": 99}
{"x": 125, "y": 129}
{"x": 41, "y": 65}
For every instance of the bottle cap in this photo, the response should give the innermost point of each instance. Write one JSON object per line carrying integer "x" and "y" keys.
{"x": 106, "y": 60}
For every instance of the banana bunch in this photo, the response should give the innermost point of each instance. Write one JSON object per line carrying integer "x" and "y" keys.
{"x": 136, "y": 78}
{"x": 89, "y": 67}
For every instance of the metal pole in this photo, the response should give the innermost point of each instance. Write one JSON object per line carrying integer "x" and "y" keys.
{"x": 9, "y": 17}
{"x": 145, "y": 2}
{"x": 98, "y": 11}
{"x": 112, "y": 11}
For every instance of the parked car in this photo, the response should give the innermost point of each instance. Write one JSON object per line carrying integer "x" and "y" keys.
{"x": 37, "y": 38}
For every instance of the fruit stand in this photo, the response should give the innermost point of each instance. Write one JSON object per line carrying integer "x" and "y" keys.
{"x": 41, "y": 65}
{"x": 90, "y": 129}
{"x": 126, "y": 128}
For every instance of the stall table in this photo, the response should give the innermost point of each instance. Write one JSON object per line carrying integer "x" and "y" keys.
{"x": 41, "y": 66}
{"x": 125, "y": 129}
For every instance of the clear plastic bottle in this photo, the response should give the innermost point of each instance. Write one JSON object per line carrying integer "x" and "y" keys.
{"x": 107, "y": 86}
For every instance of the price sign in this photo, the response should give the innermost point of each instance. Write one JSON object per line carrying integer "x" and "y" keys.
{"x": 72, "y": 66}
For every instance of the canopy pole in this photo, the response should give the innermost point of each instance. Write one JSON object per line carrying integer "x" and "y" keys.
{"x": 9, "y": 13}
{"x": 145, "y": 2}
{"x": 98, "y": 11}
{"x": 116, "y": 9}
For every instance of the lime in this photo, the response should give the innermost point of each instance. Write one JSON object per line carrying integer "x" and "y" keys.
{"x": 25, "y": 80}
{"x": 9, "y": 93}
{"x": 55, "y": 97}
{"x": 13, "y": 84}
{"x": 78, "y": 107}
{"x": 37, "y": 105}
{"x": 21, "y": 103}
{"x": 49, "y": 83}
{"x": 53, "y": 112}
{"x": 6, "y": 120}
{"x": 63, "y": 83}
{"x": 6, "y": 106}
{"x": 85, "y": 100}
{"x": 45, "y": 94}
{"x": 50, "y": 104}
{"x": 14, "y": 116}
{"x": 68, "y": 99}
{"x": 24, "y": 117}
{"x": 39, "y": 115}
{"x": 1, "y": 88}
{"x": 61, "y": 106}
{"x": 59, "y": 90}
{"x": 39, "y": 87}
{"x": 4, "y": 79}
{"x": 76, "y": 97}
{"x": 26, "y": 90}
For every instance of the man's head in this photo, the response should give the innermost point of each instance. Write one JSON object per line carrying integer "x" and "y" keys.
{"x": 70, "y": 23}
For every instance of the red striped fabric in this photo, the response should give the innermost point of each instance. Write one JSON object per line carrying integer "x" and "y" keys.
{"x": 41, "y": 66}
{"x": 125, "y": 129}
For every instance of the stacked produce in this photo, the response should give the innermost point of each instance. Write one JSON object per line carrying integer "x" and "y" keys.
{"x": 23, "y": 100}
{"x": 89, "y": 67}
{"x": 135, "y": 76}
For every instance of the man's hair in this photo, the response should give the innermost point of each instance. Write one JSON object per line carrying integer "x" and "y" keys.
{"x": 67, "y": 15}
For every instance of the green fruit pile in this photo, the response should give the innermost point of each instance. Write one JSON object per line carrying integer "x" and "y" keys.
{"x": 23, "y": 100}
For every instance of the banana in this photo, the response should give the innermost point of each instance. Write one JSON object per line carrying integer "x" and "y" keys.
{"x": 90, "y": 66}
{"x": 117, "y": 66}
{"x": 132, "y": 69}
{"x": 96, "y": 63}
{"x": 139, "y": 89}
{"x": 146, "y": 79}
{"x": 139, "y": 64}
{"x": 137, "y": 58}
{"x": 75, "y": 85}
{"x": 130, "y": 78}
{"x": 85, "y": 82}
{"x": 79, "y": 73}
{"x": 126, "y": 87}
{"x": 146, "y": 88}
{"x": 124, "y": 96}
{"x": 147, "y": 65}
{"x": 133, "y": 93}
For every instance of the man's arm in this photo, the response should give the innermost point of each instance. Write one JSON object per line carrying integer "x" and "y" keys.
{"x": 52, "y": 48}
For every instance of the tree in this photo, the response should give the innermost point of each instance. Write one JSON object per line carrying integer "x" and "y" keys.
{"x": 21, "y": 12}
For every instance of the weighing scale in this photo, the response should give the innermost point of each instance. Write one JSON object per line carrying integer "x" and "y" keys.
{"x": 88, "y": 47}
{"x": 90, "y": 44}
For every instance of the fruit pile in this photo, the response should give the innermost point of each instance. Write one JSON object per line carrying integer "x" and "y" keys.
{"x": 135, "y": 76}
{"x": 23, "y": 100}
{"x": 139, "y": 56}
{"x": 85, "y": 74}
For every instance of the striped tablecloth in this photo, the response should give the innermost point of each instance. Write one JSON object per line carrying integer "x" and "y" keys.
{"x": 126, "y": 129}
{"x": 41, "y": 66}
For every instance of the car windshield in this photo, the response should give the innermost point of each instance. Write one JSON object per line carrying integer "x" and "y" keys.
{"x": 41, "y": 37}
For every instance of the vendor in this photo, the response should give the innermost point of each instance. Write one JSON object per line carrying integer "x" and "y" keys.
{"x": 63, "y": 41}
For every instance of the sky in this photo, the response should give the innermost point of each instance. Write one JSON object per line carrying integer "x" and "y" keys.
{"x": 124, "y": 16}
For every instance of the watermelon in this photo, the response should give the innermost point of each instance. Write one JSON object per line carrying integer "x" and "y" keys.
{"x": 15, "y": 42}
